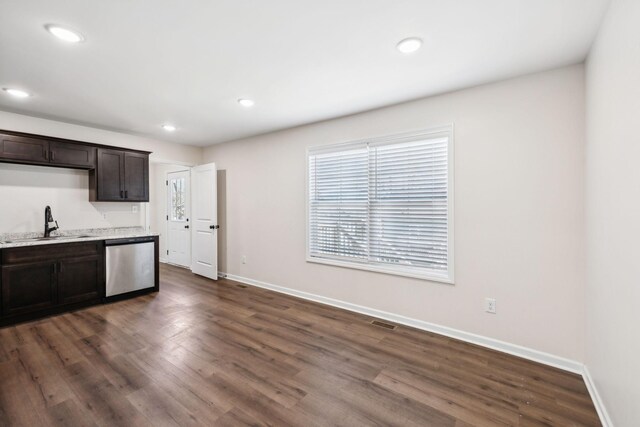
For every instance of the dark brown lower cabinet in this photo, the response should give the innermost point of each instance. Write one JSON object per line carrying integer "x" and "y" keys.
{"x": 41, "y": 280}
{"x": 28, "y": 288}
{"x": 79, "y": 279}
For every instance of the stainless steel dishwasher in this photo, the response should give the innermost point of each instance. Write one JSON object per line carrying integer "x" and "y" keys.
{"x": 130, "y": 265}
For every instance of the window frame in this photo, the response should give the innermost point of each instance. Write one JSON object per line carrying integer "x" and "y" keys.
{"x": 413, "y": 272}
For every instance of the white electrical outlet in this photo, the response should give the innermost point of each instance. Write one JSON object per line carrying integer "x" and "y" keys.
{"x": 244, "y": 259}
{"x": 134, "y": 208}
{"x": 490, "y": 305}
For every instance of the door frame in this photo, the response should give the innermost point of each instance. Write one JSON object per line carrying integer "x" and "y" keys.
{"x": 187, "y": 171}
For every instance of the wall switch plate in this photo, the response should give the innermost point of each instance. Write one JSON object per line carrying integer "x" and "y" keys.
{"x": 490, "y": 305}
{"x": 134, "y": 208}
{"x": 244, "y": 259}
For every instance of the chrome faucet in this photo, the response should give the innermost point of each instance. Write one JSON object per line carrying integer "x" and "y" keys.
{"x": 48, "y": 219}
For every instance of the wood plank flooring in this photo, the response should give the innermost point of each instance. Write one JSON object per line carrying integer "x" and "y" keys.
{"x": 220, "y": 354}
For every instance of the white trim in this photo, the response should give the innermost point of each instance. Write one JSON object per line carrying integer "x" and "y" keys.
{"x": 171, "y": 162}
{"x": 595, "y": 397}
{"x": 505, "y": 347}
{"x": 449, "y": 277}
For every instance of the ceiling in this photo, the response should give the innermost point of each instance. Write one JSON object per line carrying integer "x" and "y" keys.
{"x": 149, "y": 62}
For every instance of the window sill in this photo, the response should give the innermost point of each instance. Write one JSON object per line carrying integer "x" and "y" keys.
{"x": 405, "y": 272}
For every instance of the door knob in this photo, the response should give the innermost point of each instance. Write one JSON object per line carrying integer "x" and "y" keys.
{"x": 214, "y": 227}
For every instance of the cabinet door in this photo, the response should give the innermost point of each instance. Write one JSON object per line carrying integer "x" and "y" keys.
{"x": 136, "y": 173}
{"x": 110, "y": 175}
{"x": 79, "y": 279}
{"x": 24, "y": 149}
{"x": 28, "y": 288}
{"x": 70, "y": 154}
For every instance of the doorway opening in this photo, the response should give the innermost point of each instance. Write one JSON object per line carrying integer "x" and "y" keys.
{"x": 184, "y": 214}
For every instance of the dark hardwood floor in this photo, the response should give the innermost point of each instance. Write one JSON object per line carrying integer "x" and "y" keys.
{"x": 223, "y": 354}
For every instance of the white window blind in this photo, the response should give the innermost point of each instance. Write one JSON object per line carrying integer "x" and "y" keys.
{"x": 383, "y": 205}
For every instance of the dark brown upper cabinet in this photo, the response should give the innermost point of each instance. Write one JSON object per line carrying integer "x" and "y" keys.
{"x": 72, "y": 155}
{"x": 136, "y": 176}
{"x": 41, "y": 150}
{"x": 106, "y": 182}
{"x": 115, "y": 174}
{"x": 120, "y": 176}
{"x": 22, "y": 149}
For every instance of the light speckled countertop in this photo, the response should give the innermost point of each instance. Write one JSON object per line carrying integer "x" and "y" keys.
{"x": 14, "y": 240}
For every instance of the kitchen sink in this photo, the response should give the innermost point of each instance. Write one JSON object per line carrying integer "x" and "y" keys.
{"x": 44, "y": 239}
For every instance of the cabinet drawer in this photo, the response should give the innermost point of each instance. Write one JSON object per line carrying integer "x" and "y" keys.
{"x": 26, "y": 254}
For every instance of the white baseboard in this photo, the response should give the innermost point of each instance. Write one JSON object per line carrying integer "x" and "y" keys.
{"x": 505, "y": 347}
{"x": 597, "y": 400}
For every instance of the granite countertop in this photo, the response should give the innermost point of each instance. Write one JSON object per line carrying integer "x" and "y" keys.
{"x": 14, "y": 240}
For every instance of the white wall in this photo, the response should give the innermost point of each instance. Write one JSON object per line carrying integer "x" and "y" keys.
{"x": 613, "y": 212}
{"x": 26, "y": 190}
{"x": 518, "y": 219}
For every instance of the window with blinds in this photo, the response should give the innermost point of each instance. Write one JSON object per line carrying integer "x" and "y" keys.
{"x": 384, "y": 205}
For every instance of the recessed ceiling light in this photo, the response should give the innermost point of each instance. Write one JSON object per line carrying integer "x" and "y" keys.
{"x": 409, "y": 45}
{"x": 64, "y": 33}
{"x": 169, "y": 128}
{"x": 16, "y": 92}
{"x": 246, "y": 102}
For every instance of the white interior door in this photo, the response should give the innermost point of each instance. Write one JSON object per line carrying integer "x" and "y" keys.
{"x": 204, "y": 240}
{"x": 178, "y": 214}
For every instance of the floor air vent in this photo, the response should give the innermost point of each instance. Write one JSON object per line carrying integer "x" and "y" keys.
{"x": 384, "y": 325}
{"x": 242, "y": 286}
